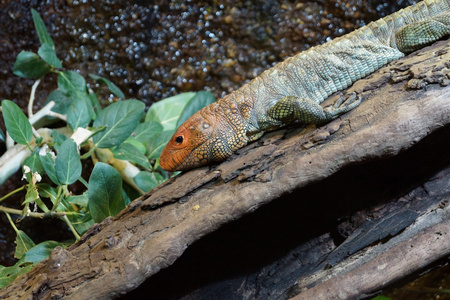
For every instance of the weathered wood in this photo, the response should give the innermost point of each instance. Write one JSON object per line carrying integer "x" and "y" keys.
{"x": 117, "y": 255}
{"x": 429, "y": 241}
{"x": 293, "y": 240}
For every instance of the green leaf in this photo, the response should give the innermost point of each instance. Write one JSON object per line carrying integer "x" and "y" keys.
{"x": 81, "y": 222}
{"x": 157, "y": 144}
{"x": 68, "y": 164}
{"x": 200, "y": 100}
{"x": 47, "y": 191}
{"x": 73, "y": 85}
{"x": 82, "y": 225}
{"x": 146, "y": 181}
{"x": 138, "y": 145}
{"x": 129, "y": 193}
{"x": 78, "y": 114}
{"x": 48, "y": 54}
{"x": 62, "y": 102}
{"x": 79, "y": 217}
{"x": 121, "y": 118}
{"x": 95, "y": 103}
{"x": 166, "y": 112}
{"x": 147, "y": 130}
{"x": 80, "y": 200}
{"x": 40, "y": 252}
{"x": 30, "y": 65}
{"x": 23, "y": 244}
{"x": 70, "y": 82}
{"x": 32, "y": 194}
{"x": 17, "y": 124}
{"x": 126, "y": 151}
{"x": 34, "y": 162}
{"x": 105, "y": 192}
{"x": 58, "y": 139}
{"x": 111, "y": 86}
{"x": 41, "y": 30}
{"x": 49, "y": 166}
{"x": 9, "y": 274}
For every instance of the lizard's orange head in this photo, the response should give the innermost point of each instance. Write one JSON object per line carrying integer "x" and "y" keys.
{"x": 188, "y": 147}
{"x": 209, "y": 135}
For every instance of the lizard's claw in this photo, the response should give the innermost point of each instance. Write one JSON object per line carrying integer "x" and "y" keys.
{"x": 342, "y": 105}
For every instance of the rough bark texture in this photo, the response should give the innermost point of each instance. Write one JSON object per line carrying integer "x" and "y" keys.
{"x": 402, "y": 104}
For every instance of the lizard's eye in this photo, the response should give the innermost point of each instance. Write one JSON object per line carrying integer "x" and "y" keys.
{"x": 179, "y": 139}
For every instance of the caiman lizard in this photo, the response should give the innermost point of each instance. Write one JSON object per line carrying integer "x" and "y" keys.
{"x": 293, "y": 89}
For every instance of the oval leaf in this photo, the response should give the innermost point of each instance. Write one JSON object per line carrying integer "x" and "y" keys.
{"x": 200, "y": 100}
{"x": 138, "y": 145}
{"x": 34, "y": 163}
{"x": 46, "y": 191}
{"x": 69, "y": 82}
{"x": 62, "y": 102}
{"x": 147, "y": 130}
{"x": 67, "y": 163}
{"x": 73, "y": 85}
{"x": 78, "y": 114}
{"x": 49, "y": 166}
{"x": 126, "y": 151}
{"x": 9, "y": 274}
{"x": 105, "y": 192}
{"x": 30, "y": 65}
{"x": 121, "y": 118}
{"x": 146, "y": 181}
{"x": 111, "y": 86}
{"x": 17, "y": 124}
{"x": 41, "y": 30}
{"x": 167, "y": 111}
{"x": 48, "y": 54}
{"x": 156, "y": 145}
{"x": 23, "y": 244}
{"x": 40, "y": 252}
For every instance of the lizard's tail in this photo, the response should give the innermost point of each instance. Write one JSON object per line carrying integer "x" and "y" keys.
{"x": 428, "y": 21}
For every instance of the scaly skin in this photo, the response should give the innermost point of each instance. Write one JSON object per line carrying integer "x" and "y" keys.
{"x": 293, "y": 89}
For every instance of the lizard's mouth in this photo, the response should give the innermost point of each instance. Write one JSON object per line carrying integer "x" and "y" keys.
{"x": 170, "y": 160}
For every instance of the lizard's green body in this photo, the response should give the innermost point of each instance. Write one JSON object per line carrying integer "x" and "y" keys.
{"x": 293, "y": 89}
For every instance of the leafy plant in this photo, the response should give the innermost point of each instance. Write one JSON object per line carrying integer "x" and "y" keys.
{"x": 122, "y": 140}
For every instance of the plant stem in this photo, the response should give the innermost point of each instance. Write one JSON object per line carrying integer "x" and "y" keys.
{"x": 41, "y": 215}
{"x": 87, "y": 154}
{"x": 12, "y": 193}
{"x": 31, "y": 101}
{"x": 75, "y": 233}
{"x": 29, "y": 147}
{"x": 81, "y": 179}
{"x": 12, "y": 223}
{"x": 58, "y": 198}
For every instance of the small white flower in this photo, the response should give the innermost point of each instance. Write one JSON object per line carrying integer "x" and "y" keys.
{"x": 43, "y": 150}
{"x": 37, "y": 177}
{"x": 26, "y": 170}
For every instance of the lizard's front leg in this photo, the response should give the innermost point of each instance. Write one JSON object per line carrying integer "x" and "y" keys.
{"x": 307, "y": 111}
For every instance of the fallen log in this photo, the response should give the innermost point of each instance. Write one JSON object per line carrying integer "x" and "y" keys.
{"x": 402, "y": 104}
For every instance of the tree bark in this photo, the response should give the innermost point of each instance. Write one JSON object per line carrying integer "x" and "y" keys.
{"x": 403, "y": 103}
